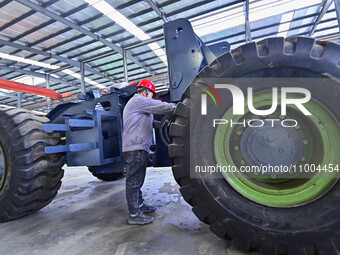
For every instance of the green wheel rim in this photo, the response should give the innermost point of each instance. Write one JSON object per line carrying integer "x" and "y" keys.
{"x": 2, "y": 167}
{"x": 291, "y": 191}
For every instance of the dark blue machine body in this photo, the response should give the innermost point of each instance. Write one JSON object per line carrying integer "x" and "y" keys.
{"x": 187, "y": 55}
{"x": 93, "y": 127}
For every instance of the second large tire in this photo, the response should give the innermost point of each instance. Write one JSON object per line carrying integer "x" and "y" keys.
{"x": 30, "y": 178}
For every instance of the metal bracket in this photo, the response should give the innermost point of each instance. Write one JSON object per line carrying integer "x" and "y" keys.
{"x": 82, "y": 147}
{"x": 81, "y": 123}
{"x": 71, "y": 148}
{"x": 55, "y": 127}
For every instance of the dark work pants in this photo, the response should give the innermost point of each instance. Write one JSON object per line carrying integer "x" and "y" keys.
{"x": 136, "y": 163}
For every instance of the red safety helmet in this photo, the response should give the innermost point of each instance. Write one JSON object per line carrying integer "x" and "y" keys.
{"x": 147, "y": 84}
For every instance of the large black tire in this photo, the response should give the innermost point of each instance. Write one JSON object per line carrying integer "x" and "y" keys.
{"x": 107, "y": 177}
{"x": 32, "y": 178}
{"x": 313, "y": 228}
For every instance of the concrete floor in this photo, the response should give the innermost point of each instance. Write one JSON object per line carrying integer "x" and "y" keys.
{"x": 89, "y": 217}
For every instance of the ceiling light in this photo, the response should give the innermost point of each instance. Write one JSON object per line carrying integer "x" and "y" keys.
{"x": 49, "y": 66}
{"x": 27, "y": 61}
{"x": 159, "y": 52}
{"x": 78, "y": 76}
{"x": 106, "y": 9}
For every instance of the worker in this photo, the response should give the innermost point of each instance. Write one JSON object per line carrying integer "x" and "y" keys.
{"x": 138, "y": 126}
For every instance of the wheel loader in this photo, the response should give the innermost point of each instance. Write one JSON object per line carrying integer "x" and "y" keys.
{"x": 254, "y": 142}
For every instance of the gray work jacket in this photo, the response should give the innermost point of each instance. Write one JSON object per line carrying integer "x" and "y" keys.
{"x": 137, "y": 121}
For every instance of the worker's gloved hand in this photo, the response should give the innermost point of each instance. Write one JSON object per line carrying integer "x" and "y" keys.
{"x": 156, "y": 124}
{"x": 108, "y": 90}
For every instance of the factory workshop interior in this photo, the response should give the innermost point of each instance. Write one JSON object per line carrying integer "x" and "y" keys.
{"x": 169, "y": 127}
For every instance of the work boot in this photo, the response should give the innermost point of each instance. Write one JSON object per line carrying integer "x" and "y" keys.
{"x": 145, "y": 208}
{"x": 139, "y": 219}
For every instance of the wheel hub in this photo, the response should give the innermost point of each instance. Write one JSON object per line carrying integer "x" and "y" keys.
{"x": 310, "y": 142}
{"x": 271, "y": 144}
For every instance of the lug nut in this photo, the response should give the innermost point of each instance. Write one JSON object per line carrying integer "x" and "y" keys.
{"x": 236, "y": 148}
